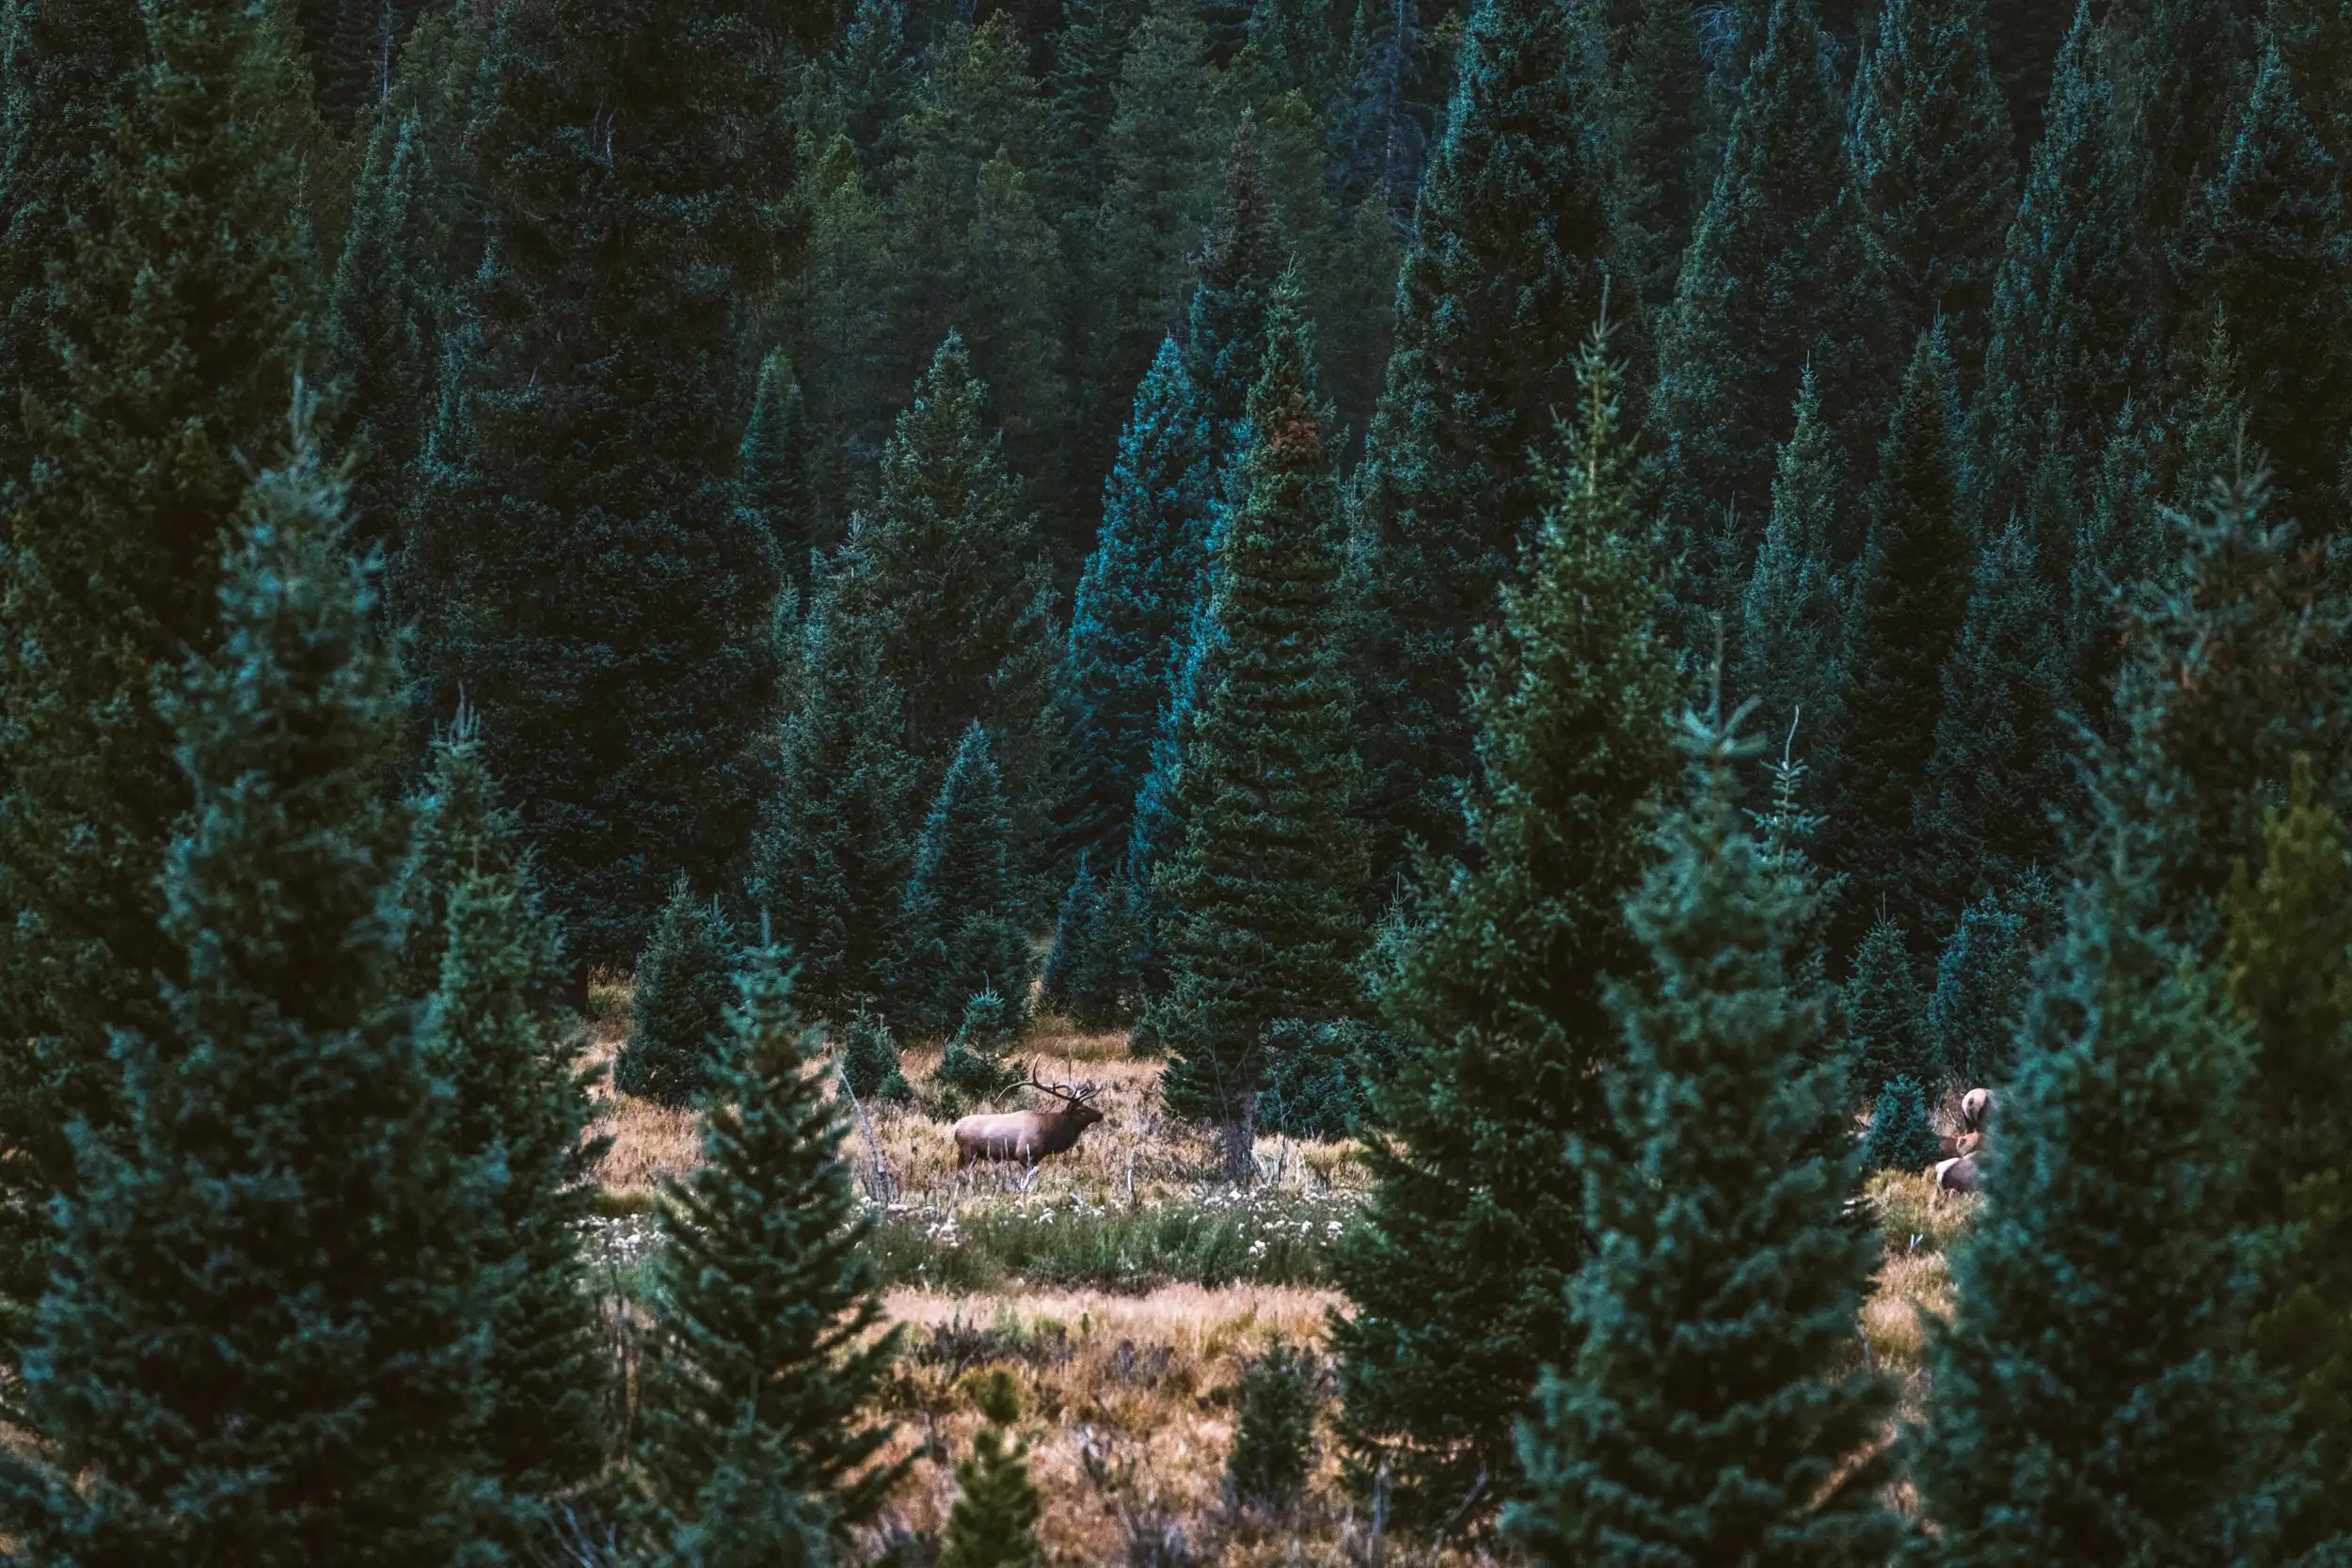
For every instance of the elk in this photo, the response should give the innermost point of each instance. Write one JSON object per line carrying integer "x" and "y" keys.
{"x": 1028, "y": 1134}
{"x": 1958, "y": 1175}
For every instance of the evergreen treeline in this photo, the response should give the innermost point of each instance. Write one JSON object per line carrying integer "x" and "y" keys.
{"x": 1246, "y": 489}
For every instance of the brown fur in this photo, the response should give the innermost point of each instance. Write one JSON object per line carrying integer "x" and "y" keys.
{"x": 1973, "y": 1107}
{"x": 1027, "y": 1135}
{"x": 1958, "y": 1175}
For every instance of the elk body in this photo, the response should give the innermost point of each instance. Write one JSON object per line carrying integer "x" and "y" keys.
{"x": 1026, "y": 1135}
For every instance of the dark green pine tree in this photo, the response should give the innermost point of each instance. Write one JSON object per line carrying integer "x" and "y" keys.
{"x": 869, "y": 1060}
{"x": 1789, "y": 652}
{"x": 1655, "y": 105}
{"x": 477, "y": 942}
{"x": 68, "y": 82}
{"x": 579, "y": 558}
{"x": 830, "y": 857}
{"x": 1755, "y": 306}
{"x": 1934, "y": 170}
{"x": 1458, "y": 1273}
{"x": 1142, "y": 586}
{"x": 1901, "y": 1135}
{"x": 1983, "y": 979}
{"x": 962, "y": 916}
{"x": 993, "y": 1522}
{"x": 260, "y": 1342}
{"x": 1073, "y": 934}
{"x": 2002, "y": 776}
{"x": 943, "y": 572}
{"x": 1712, "y": 1403}
{"x": 2187, "y": 65}
{"x": 2022, "y": 40}
{"x": 1082, "y": 83}
{"x": 2267, "y": 247}
{"x": 2097, "y": 1347}
{"x": 1501, "y": 282}
{"x": 182, "y": 351}
{"x": 1910, "y": 601}
{"x": 2315, "y": 39}
{"x": 2063, "y": 328}
{"x": 383, "y": 329}
{"x": 762, "y": 1341}
{"x": 872, "y": 78}
{"x": 1241, "y": 257}
{"x": 774, "y": 464}
{"x": 678, "y": 1010}
{"x": 1263, "y": 897}
{"x": 1886, "y": 1013}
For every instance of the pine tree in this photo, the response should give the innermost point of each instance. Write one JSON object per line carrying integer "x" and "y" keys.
{"x": 2268, "y": 248}
{"x": 2097, "y": 1346}
{"x": 1458, "y": 1272}
{"x": 775, "y": 464}
{"x": 1083, "y": 84}
{"x": 259, "y": 1341}
{"x": 943, "y": 572}
{"x": 382, "y": 323}
{"x": 579, "y": 558}
{"x": 830, "y": 857}
{"x": 1262, "y": 896}
{"x": 2290, "y": 927}
{"x": 1901, "y": 1136}
{"x": 1274, "y": 1426}
{"x": 479, "y": 946}
{"x": 1910, "y": 601}
{"x": 961, "y": 910}
{"x": 869, "y": 1060}
{"x": 1752, "y": 307}
{"x": 766, "y": 1303}
{"x": 1073, "y": 935}
{"x": 2000, "y": 779}
{"x": 872, "y": 78}
{"x": 1380, "y": 134}
{"x": 679, "y": 1007}
{"x": 2315, "y": 40}
{"x": 1241, "y": 258}
{"x": 993, "y": 1523}
{"x": 1719, "y": 1304}
{"x": 1983, "y": 979}
{"x": 69, "y": 81}
{"x": 1792, "y": 610}
{"x": 1933, "y": 171}
{"x": 1499, "y": 285}
{"x": 1655, "y": 102}
{"x": 1141, "y": 587}
{"x": 1886, "y": 1013}
{"x": 182, "y": 351}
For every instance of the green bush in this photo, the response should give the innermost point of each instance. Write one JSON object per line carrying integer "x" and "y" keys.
{"x": 869, "y": 1061}
{"x": 685, "y": 984}
{"x": 1222, "y": 1238}
{"x": 1273, "y": 1438}
{"x": 1901, "y": 1136}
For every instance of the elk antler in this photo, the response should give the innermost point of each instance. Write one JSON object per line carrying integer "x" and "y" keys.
{"x": 1076, "y": 1094}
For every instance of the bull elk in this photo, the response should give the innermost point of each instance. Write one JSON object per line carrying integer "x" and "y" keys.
{"x": 1028, "y": 1134}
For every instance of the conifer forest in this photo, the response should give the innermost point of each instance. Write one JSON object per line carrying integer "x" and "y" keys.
{"x": 1151, "y": 784}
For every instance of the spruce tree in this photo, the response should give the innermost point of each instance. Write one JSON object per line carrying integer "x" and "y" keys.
{"x": 1886, "y": 1013}
{"x": 2000, "y": 780}
{"x": 1901, "y": 1136}
{"x": 764, "y": 1302}
{"x": 1793, "y": 609}
{"x": 1498, "y": 286}
{"x": 382, "y": 323}
{"x": 182, "y": 351}
{"x": 871, "y": 77}
{"x": 1073, "y": 934}
{"x": 1983, "y": 979}
{"x": 1656, "y": 101}
{"x": 1910, "y": 601}
{"x": 1241, "y": 257}
{"x": 1274, "y": 1426}
{"x": 993, "y": 1522}
{"x": 870, "y": 1059}
{"x": 1263, "y": 897}
{"x": 835, "y": 839}
{"x": 1458, "y": 1272}
{"x": 775, "y": 464}
{"x": 1753, "y": 306}
{"x": 680, "y": 1003}
{"x": 1933, "y": 170}
{"x": 1082, "y": 83}
{"x": 2268, "y": 248}
{"x": 1711, "y": 1403}
{"x": 1140, "y": 589}
{"x": 579, "y": 558}
{"x": 478, "y": 943}
{"x": 962, "y": 913}
{"x": 260, "y": 1342}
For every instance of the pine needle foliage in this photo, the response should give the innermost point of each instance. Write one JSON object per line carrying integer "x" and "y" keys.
{"x": 962, "y": 913}
{"x": 869, "y": 1060}
{"x": 1280, "y": 1392}
{"x": 261, "y": 1342}
{"x": 1710, "y": 1411}
{"x": 1901, "y": 1135}
{"x": 1885, "y": 1012}
{"x": 764, "y": 1302}
{"x": 1460, "y": 1271}
{"x": 1984, "y": 979}
{"x": 684, "y": 984}
{"x": 993, "y": 1522}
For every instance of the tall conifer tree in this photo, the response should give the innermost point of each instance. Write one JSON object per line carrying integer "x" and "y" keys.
{"x": 1459, "y": 1274}
{"x": 1501, "y": 280}
{"x": 260, "y": 1342}
{"x": 1241, "y": 257}
{"x": 1263, "y": 897}
{"x": 1790, "y": 654}
{"x": 774, "y": 464}
{"x": 382, "y": 328}
{"x": 962, "y": 908}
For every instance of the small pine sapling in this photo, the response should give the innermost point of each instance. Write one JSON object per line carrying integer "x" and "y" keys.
{"x": 1074, "y": 936}
{"x": 685, "y": 984}
{"x": 993, "y": 1523}
{"x": 1901, "y": 1136}
{"x": 970, "y": 1067}
{"x": 869, "y": 1060}
{"x": 1274, "y": 1436}
{"x": 1885, "y": 1014}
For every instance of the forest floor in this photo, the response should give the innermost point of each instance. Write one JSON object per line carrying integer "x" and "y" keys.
{"x": 1125, "y": 1285}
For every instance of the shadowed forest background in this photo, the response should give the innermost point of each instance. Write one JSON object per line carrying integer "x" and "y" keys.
{"x": 1522, "y": 636}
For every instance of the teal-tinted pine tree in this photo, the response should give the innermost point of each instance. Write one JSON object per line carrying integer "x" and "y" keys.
{"x": 1712, "y": 1402}
{"x": 962, "y": 916}
{"x": 1790, "y": 631}
{"x": 775, "y": 469}
{"x": 183, "y": 352}
{"x": 1241, "y": 257}
{"x": 762, "y": 1336}
{"x": 1654, "y": 103}
{"x": 684, "y": 983}
{"x": 1901, "y": 1135}
{"x": 1886, "y": 1013}
{"x": 260, "y": 1343}
{"x": 383, "y": 324}
{"x": 1983, "y": 979}
{"x": 1459, "y": 1271}
{"x": 1501, "y": 283}
{"x": 579, "y": 558}
{"x": 1263, "y": 897}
